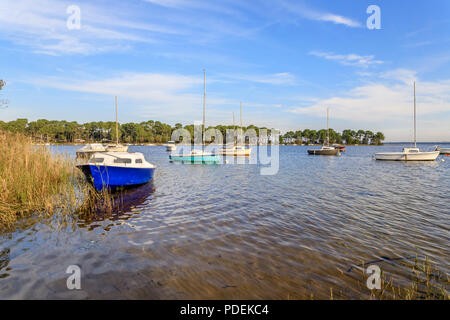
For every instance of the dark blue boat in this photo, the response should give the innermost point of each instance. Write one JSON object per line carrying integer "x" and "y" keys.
{"x": 112, "y": 170}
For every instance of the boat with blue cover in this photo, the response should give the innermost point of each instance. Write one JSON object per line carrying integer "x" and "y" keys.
{"x": 111, "y": 170}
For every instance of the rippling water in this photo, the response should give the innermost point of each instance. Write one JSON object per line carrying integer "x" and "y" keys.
{"x": 225, "y": 231}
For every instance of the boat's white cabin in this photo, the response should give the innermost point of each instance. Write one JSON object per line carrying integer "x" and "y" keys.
{"x": 93, "y": 147}
{"x": 411, "y": 150}
{"x": 120, "y": 159}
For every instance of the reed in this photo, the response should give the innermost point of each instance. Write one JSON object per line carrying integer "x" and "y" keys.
{"x": 33, "y": 180}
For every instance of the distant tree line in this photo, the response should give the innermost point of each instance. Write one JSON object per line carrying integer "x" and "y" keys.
{"x": 72, "y": 132}
{"x": 157, "y": 132}
{"x": 348, "y": 136}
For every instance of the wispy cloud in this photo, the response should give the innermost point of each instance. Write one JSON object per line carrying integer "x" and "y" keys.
{"x": 349, "y": 59}
{"x": 43, "y": 27}
{"x": 312, "y": 14}
{"x": 282, "y": 78}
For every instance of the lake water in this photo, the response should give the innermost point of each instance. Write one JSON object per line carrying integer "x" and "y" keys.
{"x": 225, "y": 231}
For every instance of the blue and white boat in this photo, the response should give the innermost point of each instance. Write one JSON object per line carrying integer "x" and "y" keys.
{"x": 111, "y": 170}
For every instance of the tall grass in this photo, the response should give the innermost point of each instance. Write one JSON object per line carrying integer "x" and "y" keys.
{"x": 32, "y": 180}
{"x": 35, "y": 181}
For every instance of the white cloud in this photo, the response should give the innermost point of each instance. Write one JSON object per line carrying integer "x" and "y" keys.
{"x": 388, "y": 104}
{"x": 349, "y": 59}
{"x": 281, "y": 78}
{"x": 312, "y": 14}
{"x": 338, "y": 20}
{"x": 43, "y": 27}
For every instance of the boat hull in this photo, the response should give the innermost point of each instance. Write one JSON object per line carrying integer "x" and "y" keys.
{"x": 319, "y": 152}
{"x": 111, "y": 177}
{"x": 402, "y": 156}
{"x": 194, "y": 159}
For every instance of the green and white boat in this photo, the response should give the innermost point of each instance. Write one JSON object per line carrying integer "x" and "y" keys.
{"x": 198, "y": 156}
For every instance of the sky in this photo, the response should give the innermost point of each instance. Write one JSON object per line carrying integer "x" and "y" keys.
{"x": 287, "y": 62}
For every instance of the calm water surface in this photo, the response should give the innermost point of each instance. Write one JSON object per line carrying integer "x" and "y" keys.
{"x": 225, "y": 231}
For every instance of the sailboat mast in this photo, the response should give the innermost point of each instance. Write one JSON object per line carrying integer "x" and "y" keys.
{"x": 241, "y": 115}
{"x": 117, "y": 126}
{"x": 415, "y": 118}
{"x": 204, "y": 109}
{"x": 328, "y": 127}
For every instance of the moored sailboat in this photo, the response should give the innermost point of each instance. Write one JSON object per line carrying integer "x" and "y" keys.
{"x": 409, "y": 154}
{"x": 234, "y": 149}
{"x": 198, "y": 156}
{"x": 326, "y": 150}
{"x": 111, "y": 170}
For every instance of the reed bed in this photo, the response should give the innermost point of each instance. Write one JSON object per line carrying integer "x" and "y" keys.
{"x": 35, "y": 181}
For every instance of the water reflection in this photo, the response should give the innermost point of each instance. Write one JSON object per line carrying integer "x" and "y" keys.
{"x": 123, "y": 205}
{"x": 225, "y": 231}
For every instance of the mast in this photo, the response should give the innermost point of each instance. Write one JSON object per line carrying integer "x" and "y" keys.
{"x": 204, "y": 108}
{"x": 328, "y": 127}
{"x": 117, "y": 126}
{"x": 241, "y": 115}
{"x": 234, "y": 131}
{"x": 415, "y": 144}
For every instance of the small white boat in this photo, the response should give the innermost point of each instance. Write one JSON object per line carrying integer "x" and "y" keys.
{"x": 236, "y": 151}
{"x": 88, "y": 150}
{"x": 409, "y": 154}
{"x": 116, "y": 148}
{"x": 170, "y": 146}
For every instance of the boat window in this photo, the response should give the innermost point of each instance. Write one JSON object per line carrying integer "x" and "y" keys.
{"x": 122, "y": 160}
{"x": 97, "y": 160}
{"x": 138, "y": 160}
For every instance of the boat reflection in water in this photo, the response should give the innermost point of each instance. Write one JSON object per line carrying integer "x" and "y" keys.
{"x": 120, "y": 205}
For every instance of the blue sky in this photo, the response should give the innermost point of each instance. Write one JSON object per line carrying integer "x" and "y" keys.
{"x": 287, "y": 61}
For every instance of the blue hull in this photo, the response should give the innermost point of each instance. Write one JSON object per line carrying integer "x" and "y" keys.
{"x": 108, "y": 177}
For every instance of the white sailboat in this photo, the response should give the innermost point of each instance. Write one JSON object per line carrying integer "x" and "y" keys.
{"x": 116, "y": 147}
{"x": 234, "y": 149}
{"x": 88, "y": 150}
{"x": 409, "y": 154}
